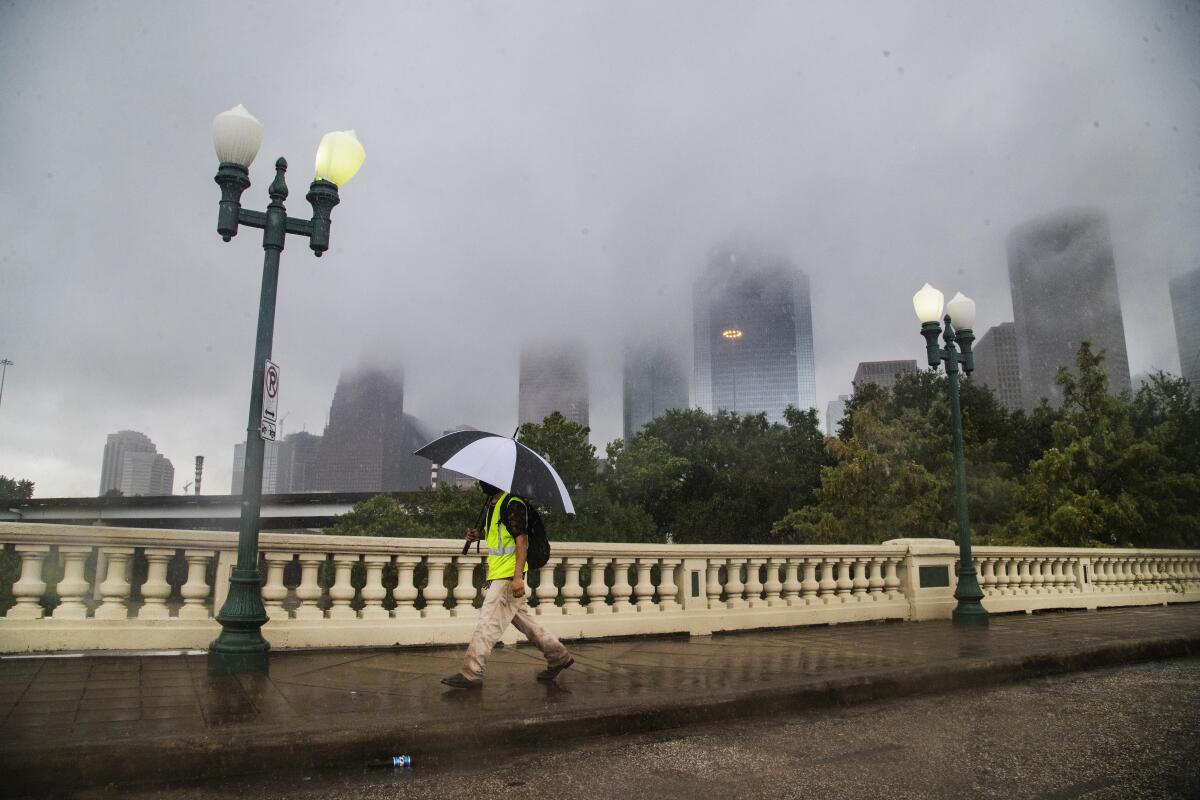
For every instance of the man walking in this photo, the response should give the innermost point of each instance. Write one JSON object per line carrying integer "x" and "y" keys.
{"x": 507, "y": 535}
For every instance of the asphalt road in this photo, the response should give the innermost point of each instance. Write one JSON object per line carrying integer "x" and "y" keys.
{"x": 1132, "y": 732}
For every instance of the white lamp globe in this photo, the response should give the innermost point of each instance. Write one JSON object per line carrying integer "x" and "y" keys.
{"x": 339, "y": 156}
{"x": 928, "y": 304}
{"x": 962, "y": 312}
{"x": 237, "y": 135}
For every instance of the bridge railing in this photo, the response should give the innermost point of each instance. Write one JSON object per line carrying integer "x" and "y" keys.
{"x": 97, "y": 588}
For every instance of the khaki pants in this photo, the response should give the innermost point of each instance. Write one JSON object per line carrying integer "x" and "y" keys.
{"x": 499, "y": 609}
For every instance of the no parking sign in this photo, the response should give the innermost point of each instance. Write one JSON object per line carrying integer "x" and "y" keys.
{"x": 270, "y": 407}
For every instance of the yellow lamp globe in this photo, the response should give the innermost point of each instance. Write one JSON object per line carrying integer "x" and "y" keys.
{"x": 339, "y": 157}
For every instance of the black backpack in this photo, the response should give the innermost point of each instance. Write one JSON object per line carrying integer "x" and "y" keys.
{"x": 539, "y": 544}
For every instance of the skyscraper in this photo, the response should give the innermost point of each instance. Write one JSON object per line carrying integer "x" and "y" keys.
{"x": 752, "y": 326}
{"x": 132, "y": 466}
{"x": 1185, "y": 303}
{"x": 1064, "y": 292}
{"x": 298, "y": 462}
{"x": 997, "y": 366}
{"x": 883, "y": 373}
{"x": 270, "y": 472}
{"x": 653, "y": 383}
{"x": 554, "y": 377}
{"x": 834, "y": 413}
{"x": 369, "y": 441}
{"x": 289, "y": 465}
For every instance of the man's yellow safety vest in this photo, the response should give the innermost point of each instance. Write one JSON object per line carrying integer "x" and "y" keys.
{"x": 502, "y": 546}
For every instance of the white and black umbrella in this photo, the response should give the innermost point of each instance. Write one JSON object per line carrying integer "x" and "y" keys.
{"x": 503, "y": 462}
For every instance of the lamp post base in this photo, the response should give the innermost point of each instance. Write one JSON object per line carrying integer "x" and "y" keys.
{"x": 227, "y": 662}
{"x": 968, "y": 614}
{"x": 240, "y": 646}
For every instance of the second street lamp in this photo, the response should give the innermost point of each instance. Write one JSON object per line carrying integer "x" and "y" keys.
{"x": 957, "y": 336}
{"x": 236, "y": 137}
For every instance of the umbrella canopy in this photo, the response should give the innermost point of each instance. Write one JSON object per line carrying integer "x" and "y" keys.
{"x": 503, "y": 462}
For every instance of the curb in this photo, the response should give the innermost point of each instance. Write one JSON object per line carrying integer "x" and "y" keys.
{"x": 62, "y": 768}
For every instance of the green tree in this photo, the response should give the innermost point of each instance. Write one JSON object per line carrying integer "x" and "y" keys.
{"x": 873, "y": 491}
{"x": 565, "y": 445}
{"x": 1119, "y": 471}
{"x": 11, "y": 490}
{"x": 742, "y": 472}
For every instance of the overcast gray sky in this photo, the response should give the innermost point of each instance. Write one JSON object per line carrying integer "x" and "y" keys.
{"x": 546, "y": 169}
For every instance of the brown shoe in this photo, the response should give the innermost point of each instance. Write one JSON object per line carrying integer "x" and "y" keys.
{"x": 550, "y": 673}
{"x": 460, "y": 681}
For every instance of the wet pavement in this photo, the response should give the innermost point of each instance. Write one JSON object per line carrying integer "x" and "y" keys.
{"x": 70, "y": 719}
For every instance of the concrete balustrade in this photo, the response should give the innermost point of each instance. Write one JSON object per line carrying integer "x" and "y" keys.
{"x": 334, "y": 591}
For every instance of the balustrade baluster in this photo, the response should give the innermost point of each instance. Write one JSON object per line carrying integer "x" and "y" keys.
{"x": 859, "y": 582}
{"x": 374, "y": 592}
{"x": 73, "y": 587}
{"x": 754, "y": 584}
{"x": 733, "y": 583}
{"x": 791, "y": 582}
{"x": 828, "y": 586}
{"x": 195, "y": 591}
{"x": 572, "y": 590}
{"x": 597, "y": 589}
{"x": 668, "y": 592}
{"x": 308, "y": 593}
{"x": 1036, "y": 579}
{"x": 114, "y": 591}
{"x": 29, "y": 588}
{"x": 644, "y": 590}
{"x": 712, "y": 586}
{"x": 1070, "y": 576}
{"x": 435, "y": 592}
{"x": 341, "y": 594}
{"x": 405, "y": 593}
{"x": 547, "y": 592}
{"x": 891, "y": 581}
{"x": 987, "y": 576}
{"x": 274, "y": 592}
{"x": 875, "y": 580}
{"x": 844, "y": 584}
{"x": 156, "y": 590}
{"x": 773, "y": 587}
{"x": 1026, "y": 578}
{"x": 621, "y": 590}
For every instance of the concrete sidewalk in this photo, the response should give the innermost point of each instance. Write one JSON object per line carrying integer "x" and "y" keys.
{"x": 72, "y": 722}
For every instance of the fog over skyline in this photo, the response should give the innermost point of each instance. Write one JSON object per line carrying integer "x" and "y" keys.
{"x": 539, "y": 170}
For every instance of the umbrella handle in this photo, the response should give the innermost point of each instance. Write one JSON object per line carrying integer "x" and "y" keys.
{"x": 478, "y": 526}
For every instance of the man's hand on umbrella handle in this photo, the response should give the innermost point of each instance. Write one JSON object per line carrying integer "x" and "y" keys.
{"x": 518, "y": 586}
{"x": 472, "y": 535}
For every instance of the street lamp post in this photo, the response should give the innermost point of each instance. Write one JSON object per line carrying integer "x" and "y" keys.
{"x": 236, "y": 136}
{"x": 957, "y": 336}
{"x": 4, "y": 365}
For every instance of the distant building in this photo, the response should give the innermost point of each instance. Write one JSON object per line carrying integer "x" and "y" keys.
{"x": 554, "y": 377}
{"x": 369, "y": 442}
{"x": 289, "y": 465}
{"x": 752, "y": 326}
{"x": 997, "y": 365}
{"x": 132, "y": 466}
{"x": 834, "y": 413}
{"x": 653, "y": 383}
{"x": 1064, "y": 292}
{"x": 883, "y": 373}
{"x": 440, "y": 475}
{"x": 1185, "y": 303}
{"x": 270, "y": 473}
{"x": 298, "y": 462}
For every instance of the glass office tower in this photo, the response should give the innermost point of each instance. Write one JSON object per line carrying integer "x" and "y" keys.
{"x": 752, "y": 324}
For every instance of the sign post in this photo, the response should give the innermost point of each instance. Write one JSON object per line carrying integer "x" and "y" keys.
{"x": 270, "y": 407}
